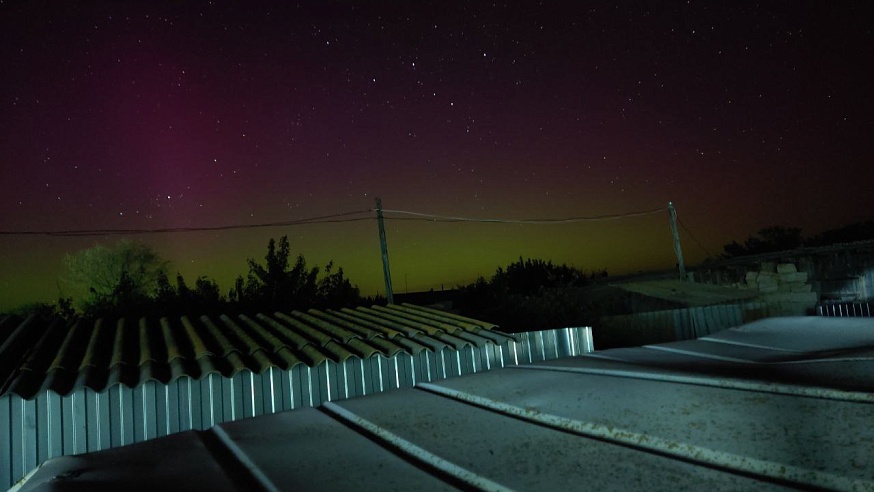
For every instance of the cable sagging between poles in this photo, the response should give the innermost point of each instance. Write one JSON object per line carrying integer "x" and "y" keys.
{"x": 445, "y": 218}
{"x": 325, "y": 219}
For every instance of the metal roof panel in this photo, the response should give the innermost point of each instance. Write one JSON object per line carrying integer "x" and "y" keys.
{"x": 327, "y": 456}
{"x": 97, "y": 354}
{"x": 378, "y": 318}
{"x": 357, "y": 325}
{"x": 315, "y": 336}
{"x": 640, "y": 418}
{"x": 430, "y": 325}
{"x": 463, "y": 320}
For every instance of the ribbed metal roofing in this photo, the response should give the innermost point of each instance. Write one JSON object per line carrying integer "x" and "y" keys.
{"x": 37, "y": 355}
{"x": 778, "y": 404}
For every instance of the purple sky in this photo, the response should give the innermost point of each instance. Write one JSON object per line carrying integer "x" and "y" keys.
{"x": 122, "y": 115}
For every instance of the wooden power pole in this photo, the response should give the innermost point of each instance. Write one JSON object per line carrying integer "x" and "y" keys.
{"x": 677, "y": 249}
{"x": 386, "y": 271}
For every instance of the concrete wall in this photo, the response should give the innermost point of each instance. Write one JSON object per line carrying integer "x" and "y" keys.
{"x": 836, "y": 273}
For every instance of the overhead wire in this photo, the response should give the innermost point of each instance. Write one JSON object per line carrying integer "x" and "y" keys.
{"x": 333, "y": 218}
{"x": 693, "y": 237}
{"x": 446, "y": 218}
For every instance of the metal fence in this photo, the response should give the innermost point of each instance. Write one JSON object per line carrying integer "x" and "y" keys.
{"x": 845, "y": 309}
{"x": 51, "y": 425}
{"x": 676, "y": 324}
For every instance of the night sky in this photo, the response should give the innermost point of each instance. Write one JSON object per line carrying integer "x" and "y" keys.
{"x": 155, "y": 115}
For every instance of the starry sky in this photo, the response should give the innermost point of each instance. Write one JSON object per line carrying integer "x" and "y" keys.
{"x": 157, "y": 115}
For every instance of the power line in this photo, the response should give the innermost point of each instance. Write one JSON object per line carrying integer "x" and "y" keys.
{"x": 334, "y": 218}
{"x": 445, "y": 218}
{"x": 693, "y": 237}
{"x": 327, "y": 219}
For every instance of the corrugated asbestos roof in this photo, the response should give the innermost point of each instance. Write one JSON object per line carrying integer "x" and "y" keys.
{"x": 40, "y": 355}
{"x": 778, "y": 404}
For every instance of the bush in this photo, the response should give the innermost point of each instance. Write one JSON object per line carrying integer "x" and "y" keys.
{"x": 530, "y": 295}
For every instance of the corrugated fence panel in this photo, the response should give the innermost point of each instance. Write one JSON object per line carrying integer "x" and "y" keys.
{"x": 845, "y": 309}
{"x": 32, "y": 431}
{"x": 637, "y": 329}
{"x": 6, "y": 423}
{"x": 703, "y": 321}
{"x": 677, "y": 324}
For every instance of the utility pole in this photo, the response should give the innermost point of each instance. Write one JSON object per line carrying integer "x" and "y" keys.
{"x": 677, "y": 249}
{"x": 389, "y": 294}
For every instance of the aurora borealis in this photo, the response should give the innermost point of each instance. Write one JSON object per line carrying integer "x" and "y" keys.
{"x": 155, "y": 115}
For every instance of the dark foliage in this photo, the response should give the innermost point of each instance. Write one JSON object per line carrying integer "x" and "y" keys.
{"x": 335, "y": 290}
{"x": 63, "y": 309}
{"x": 204, "y": 298}
{"x": 114, "y": 280}
{"x": 860, "y": 231}
{"x": 767, "y": 240}
{"x": 530, "y": 295}
{"x": 127, "y": 297}
{"x": 277, "y": 285}
{"x": 780, "y": 238}
{"x": 274, "y": 286}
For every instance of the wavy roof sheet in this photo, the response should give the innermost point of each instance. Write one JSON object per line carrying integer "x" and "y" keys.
{"x": 779, "y": 404}
{"x": 37, "y": 355}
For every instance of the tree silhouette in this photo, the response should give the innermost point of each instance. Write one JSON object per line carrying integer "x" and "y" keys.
{"x": 859, "y": 231}
{"x": 531, "y": 276}
{"x": 278, "y": 285}
{"x": 204, "y": 298}
{"x": 62, "y": 309}
{"x": 767, "y": 240}
{"x": 130, "y": 279}
{"x": 530, "y": 294}
{"x": 335, "y": 290}
{"x": 114, "y": 279}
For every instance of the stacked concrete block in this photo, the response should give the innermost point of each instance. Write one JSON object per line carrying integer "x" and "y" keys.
{"x": 776, "y": 277}
{"x": 767, "y": 282}
{"x": 791, "y": 280}
{"x": 750, "y": 279}
{"x": 783, "y": 277}
{"x": 785, "y": 287}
